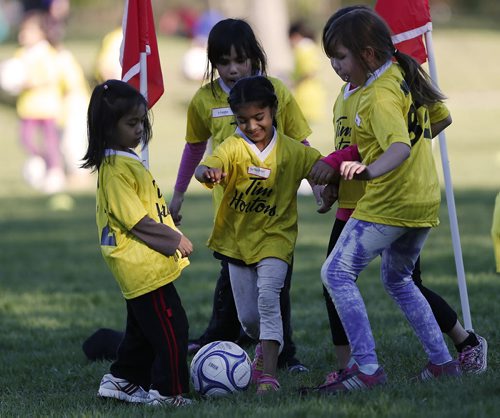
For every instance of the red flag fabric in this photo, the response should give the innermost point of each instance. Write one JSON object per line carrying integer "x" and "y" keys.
{"x": 139, "y": 36}
{"x": 408, "y": 20}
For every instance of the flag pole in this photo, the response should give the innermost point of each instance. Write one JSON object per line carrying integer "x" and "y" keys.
{"x": 143, "y": 83}
{"x": 450, "y": 199}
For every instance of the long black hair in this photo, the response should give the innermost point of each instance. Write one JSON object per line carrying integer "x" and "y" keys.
{"x": 235, "y": 33}
{"x": 359, "y": 27}
{"x": 109, "y": 102}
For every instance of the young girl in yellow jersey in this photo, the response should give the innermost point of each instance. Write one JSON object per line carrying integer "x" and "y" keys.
{"x": 472, "y": 348}
{"x": 400, "y": 204}
{"x": 143, "y": 249}
{"x": 233, "y": 52}
{"x": 255, "y": 229}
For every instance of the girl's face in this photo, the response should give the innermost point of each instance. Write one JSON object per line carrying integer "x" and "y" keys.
{"x": 256, "y": 123}
{"x": 231, "y": 68}
{"x": 347, "y": 66}
{"x": 129, "y": 129}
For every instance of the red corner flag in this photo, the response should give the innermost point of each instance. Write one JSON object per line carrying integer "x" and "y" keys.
{"x": 139, "y": 40}
{"x": 408, "y": 20}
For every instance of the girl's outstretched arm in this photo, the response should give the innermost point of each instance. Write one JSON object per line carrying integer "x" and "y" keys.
{"x": 209, "y": 175}
{"x": 326, "y": 170}
{"x": 393, "y": 157}
{"x": 191, "y": 157}
{"x": 161, "y": 237}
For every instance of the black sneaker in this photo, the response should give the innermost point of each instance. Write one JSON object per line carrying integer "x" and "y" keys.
{"x": 294, "y": 365}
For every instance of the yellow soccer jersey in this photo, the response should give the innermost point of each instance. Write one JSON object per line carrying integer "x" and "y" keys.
{"x": 257, "y": 217}
{"x": 344, "y": 111}
{"x": 126, "y": 193}
{"x": 410, "y": 194}
{"x": 42, "y": 98}
{"x": 210, "y": 116}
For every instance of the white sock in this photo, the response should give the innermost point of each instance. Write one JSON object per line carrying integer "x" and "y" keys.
{"x": 369, "y": 369}
{"x": 351, "y": 363}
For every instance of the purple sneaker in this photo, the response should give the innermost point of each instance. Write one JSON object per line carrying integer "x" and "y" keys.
{"x": 434, "y": 371}
{"x": 474, "y": 359}
{"x": 352, "y": 379}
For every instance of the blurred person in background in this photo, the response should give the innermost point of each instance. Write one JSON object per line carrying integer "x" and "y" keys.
{"x": 307, "y": 87}
{"x": 495, "y": 232}
{"x": 76, "y": 95}
{"x": 32, "y": 76}
{"x": 107, "y": 65}
{"x": 194, "y": 60}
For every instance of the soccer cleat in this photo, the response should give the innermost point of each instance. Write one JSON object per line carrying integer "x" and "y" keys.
{"x": 474, "y": 359}
{"x": 257, "y": 364}
{"x": 193, "y": 347}
{"x": 332, "y": 377}
{"x": 267, "y": 384}
{"x": 295, "y": 366}
{"x": 114, "y": 387}
{"x": 350, "y": 379}
{"x": 434, "y": 371}
{"x": 155, "y": 399}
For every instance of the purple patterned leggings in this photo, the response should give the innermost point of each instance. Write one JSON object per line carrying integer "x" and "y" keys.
{"x": 359, "y": 243}
{"x": 48, "y": 147}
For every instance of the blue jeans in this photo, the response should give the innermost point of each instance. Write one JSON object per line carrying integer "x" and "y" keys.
{"x": 359, "y": 243}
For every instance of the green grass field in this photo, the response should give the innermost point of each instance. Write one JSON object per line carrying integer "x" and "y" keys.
{"x": 55, "y": 290}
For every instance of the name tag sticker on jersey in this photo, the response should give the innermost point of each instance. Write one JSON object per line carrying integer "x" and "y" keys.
{"x": 221, "y": 112}
{"x": 259, "y": 172}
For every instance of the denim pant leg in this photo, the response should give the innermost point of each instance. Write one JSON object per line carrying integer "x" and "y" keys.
{"x": 359, "y": 243}
{"x": 398, "y": 262}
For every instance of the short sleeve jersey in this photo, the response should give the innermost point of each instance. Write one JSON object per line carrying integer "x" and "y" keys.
{"x": 210, "y": 117}
{"x": 410, "y": 194}
{"x": 126, "y": 193}
{"x": 257, "y": 217}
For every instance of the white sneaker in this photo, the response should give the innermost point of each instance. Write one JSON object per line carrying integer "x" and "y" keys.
{"x": 55, "y": 181}
{"x": 156, "y": 399}
{"x": 122, "y": 389}
{"x": 34, "y": 171}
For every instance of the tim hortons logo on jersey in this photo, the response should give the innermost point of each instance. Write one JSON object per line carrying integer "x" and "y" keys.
{"x": 253, "y": 199}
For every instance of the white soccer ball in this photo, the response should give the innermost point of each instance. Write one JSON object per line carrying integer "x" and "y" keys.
{"x": 220, "y": 368}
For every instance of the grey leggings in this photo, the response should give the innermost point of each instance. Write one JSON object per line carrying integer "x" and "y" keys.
{"x": 256, "y": 291}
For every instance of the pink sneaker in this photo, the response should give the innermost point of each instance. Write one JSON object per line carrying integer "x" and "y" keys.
{"x": 257, "y": 364}
{"x": 352, "y": 379}
{"x": 332, "y": 377}
{"x": 434, "y": 371}
{"x": 267, "y": 384}
{"x": 474, "y": 359}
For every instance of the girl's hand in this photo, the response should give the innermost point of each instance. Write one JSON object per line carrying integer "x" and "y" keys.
{"x": 329, "y": 196}
{"x": 348, "y": 169}
{"x": 185, "y": 246}
{"x": 322, "y": 173}
{"x": 214, "y": 175}
{"x": 175, "y": 207}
